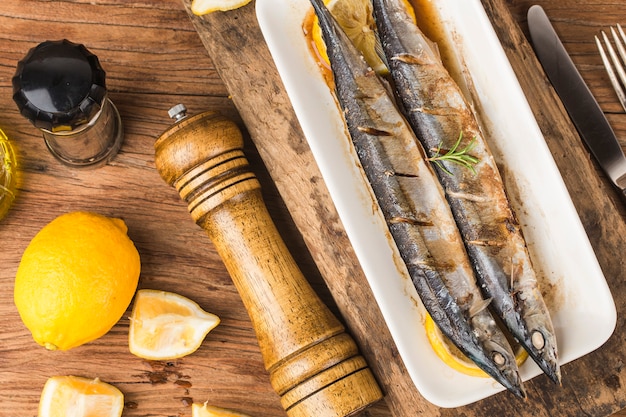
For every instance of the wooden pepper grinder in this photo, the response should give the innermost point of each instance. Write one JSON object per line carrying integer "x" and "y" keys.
{"x": 314, "y": 365}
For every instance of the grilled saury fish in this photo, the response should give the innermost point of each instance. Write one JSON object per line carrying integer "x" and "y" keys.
{"x": 439, "y": 115}
{"x": 415, "y": 208}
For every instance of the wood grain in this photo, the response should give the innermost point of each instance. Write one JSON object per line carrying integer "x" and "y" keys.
{"x": 155, "y": 56}
{"x": 153, "y": 59}
{"x": 583, "y": 175}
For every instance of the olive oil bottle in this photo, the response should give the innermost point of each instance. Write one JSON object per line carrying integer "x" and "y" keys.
{"x": 7, "y": 175}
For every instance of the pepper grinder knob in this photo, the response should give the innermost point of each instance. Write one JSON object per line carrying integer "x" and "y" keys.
{"x": 314, "y": 365}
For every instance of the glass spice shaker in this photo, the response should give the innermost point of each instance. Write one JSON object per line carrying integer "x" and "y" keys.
{"x": 8, "y": 175}
{"x": 60, "y": 87}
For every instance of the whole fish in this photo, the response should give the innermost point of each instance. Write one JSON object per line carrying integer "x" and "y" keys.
{"x": 415, "y": 209}
{"x": 440, "y": 116}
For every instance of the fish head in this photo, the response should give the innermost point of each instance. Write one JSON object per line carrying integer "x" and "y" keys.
{"x": 543, "y": 348}
{"x": 504, "y": 359}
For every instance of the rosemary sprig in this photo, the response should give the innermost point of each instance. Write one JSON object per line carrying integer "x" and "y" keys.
{"x": 461, "y": 157}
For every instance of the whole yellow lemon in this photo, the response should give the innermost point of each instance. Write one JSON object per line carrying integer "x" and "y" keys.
{"x": 76, "y": 279}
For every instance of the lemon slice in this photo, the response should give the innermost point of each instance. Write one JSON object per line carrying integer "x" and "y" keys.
{"x": 453, "y": 357}
{"x": 165, "y": 325}
{"x": 205, "y": 410}
{"x": 72, "y": 396}
{"x": 202, "y": 7}
{"x": 357, "y": 20}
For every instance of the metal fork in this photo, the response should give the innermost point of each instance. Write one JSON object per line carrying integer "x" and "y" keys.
{"x": 615, "y": 65}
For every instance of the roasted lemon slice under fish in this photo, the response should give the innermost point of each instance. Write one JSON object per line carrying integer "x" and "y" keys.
{"x": 357, "y": 20}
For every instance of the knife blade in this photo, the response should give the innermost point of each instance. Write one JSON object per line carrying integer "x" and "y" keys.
{"x": 577, "y": 99}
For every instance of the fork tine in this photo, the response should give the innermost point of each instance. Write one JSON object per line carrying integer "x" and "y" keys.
{"x": 623, "y": 42}
{"x": 609, "y": 67}
{"x": 620, "y": 47}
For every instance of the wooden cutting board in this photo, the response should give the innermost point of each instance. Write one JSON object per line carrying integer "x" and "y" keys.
{"x": 592, "y": 384}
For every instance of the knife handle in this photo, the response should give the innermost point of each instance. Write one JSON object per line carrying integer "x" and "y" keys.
{"x": 314, "y": 365}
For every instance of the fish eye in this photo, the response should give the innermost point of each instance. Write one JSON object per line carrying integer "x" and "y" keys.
{"x": 538, "y": 340}
{"x": 498, "y": 358}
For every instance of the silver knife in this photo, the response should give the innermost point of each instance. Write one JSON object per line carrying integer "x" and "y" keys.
{"x": 580, "y": 104}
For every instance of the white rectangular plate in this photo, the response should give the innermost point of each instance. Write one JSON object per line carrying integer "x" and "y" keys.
{"x": 582, "y": 308}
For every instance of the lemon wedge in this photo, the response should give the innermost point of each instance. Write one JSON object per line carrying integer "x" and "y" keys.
{"x": 453, "y": 357}
{"x": 72, "y": 396}
{"x": 205, "y": 410}
{"x": 165, "y": 325}
{"x": 202, "y": 7}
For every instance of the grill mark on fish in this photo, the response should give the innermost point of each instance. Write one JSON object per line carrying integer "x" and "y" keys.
{"x": 478, "y": 201}
{"x": 414, "y": 222}
{"x": 400, "y": 174}
{"x": 432, "y": 251}
{"x": 373, "y": 131}
{"x": 468, "y": 196}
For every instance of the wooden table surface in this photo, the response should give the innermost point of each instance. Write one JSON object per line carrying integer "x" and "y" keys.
{"x": 155, "y": 58}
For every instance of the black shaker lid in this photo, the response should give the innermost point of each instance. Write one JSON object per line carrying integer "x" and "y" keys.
{"x": 59, "y": 85}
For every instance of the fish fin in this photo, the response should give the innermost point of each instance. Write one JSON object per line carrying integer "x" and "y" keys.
{"x": 435, "y": 47}
{"x": 516, "y": 272}
{"x": 378, "y": 48}
{"x": 479, "y": 306}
